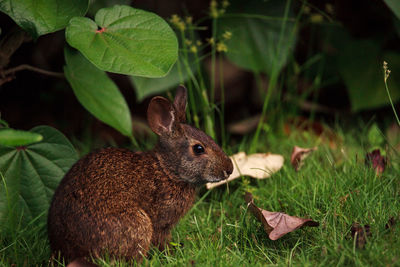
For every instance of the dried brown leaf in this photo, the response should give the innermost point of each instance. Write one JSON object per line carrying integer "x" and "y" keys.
{"x": 375, "y": 160}
{"x": 360, "y": 234}
{"x": 298, "y": 156}
{"x": 81, "y": 262}
{"x": 244, "y": 126}
{"x": 391, "y": 222}
{"x": 277, "y": 224}
{"x": 259, "y": 165}
{"x": 300, "y": 125}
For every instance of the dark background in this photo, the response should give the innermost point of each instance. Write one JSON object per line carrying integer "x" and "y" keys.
{"x": 32, "y": 99}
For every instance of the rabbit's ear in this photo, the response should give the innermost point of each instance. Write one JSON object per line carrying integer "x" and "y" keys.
{"x": 180, "y": 103}
{"x": 161, "y": 116}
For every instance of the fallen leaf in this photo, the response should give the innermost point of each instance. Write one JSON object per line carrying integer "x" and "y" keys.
{"x": 376, "y": 160}
{"x": 277, "y": 224}
{"x": 391, "y": 222}
{"x": 360, "y": 234}
{"x": 343, "y": 199}
{"x": 259, "y": 165}
{"x": 300, "y": 125}
{"x": 298, "y": 156}
{"x": 245, "y": 126}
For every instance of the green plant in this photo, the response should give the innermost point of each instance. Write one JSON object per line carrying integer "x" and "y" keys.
{"x": 31, "y": 170}
{"x": 386, "y": 73}
{"x": 296, "y": 51}
{"x": 120, "y": 40}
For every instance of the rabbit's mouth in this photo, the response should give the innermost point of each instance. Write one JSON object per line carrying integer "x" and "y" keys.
{"x": 226, "y": 175}
{"x": 215, "y": 179}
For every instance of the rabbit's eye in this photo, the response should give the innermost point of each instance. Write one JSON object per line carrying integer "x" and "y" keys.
{"x": 198, "y": 149}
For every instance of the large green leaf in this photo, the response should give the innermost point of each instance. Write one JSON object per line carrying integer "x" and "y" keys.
{"x": 360, "y": 64}
{"x": 394, "y": 5}
{"x": 39, "y": 17}
{"x": 11, "y": 137}
{"x": 97, "y": 92}
{"x": 260, "y": 41}
{"x": 125, "y": 40}
{"x": 145, "y": 87}
{"x": 32, "y": 173}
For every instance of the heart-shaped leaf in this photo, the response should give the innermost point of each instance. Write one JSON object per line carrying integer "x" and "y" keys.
{"x": 39, "y": 17}
{"x": 11, "y": 137}
{"x": 97, "y": 92}
{"x": 29, "y": 175}
{"x": 125, "y": 40}
{"x": 260, "y": 42}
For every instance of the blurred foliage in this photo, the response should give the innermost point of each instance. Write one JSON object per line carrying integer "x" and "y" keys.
{"x": 263, "y": 34}
{"x": 264, "y": 37}
{"x": 360, "y": 65}
{"x": 394, "y": 5}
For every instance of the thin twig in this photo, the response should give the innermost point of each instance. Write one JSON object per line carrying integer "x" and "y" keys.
{"x": 32, "y": 68}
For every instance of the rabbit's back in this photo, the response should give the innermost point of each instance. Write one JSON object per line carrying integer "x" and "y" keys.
{"x": 103, "y": 178}
{"x": 117, "y": 200}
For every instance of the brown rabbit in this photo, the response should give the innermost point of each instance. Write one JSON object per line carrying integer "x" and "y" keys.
{"x": 119, "y": 202}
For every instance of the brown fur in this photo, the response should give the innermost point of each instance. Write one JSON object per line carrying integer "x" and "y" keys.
{"x": 119, "y": 202}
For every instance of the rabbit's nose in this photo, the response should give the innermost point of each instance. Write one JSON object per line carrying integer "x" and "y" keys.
{"x": 229, "y": 167}
{"x": 229, "y": 172}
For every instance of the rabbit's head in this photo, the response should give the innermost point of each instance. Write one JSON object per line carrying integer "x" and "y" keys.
{"x": 185, "y": 150}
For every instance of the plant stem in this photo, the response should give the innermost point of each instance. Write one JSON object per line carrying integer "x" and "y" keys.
{"x": 207, "y": 110}
{"x": 271, "y": 85}
{"x": 182, "y": 81}
{"x": 390, "y": 99}
{"x": 192, "y": 102}
{"x": 222, "y": 111}
{"x": 213, "y": 59}
{"x": 272, "y": 81}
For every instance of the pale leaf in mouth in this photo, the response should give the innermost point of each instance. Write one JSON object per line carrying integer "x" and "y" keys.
{"x": 259, "y": 165}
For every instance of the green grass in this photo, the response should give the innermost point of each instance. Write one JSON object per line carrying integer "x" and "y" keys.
{"x": 334, "y": 187}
